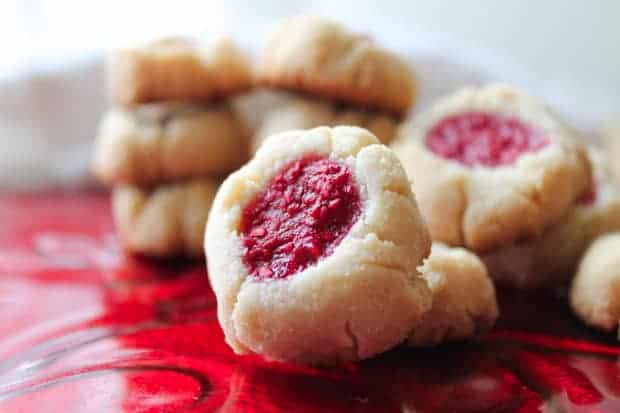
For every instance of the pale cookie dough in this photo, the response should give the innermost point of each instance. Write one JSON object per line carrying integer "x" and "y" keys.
{"x": 595, "y": 291}
{"x": 305, "y": 113}
{"x": 177, "y": 69}
{"x": 167, "y": 141}
{"x": 363, "y": 296}
{"x": 166, "y": 221}
{"x": 486, "y": 207}
{"x": 464, "y": 302}
{"x": 553, "y": 258}
{"x": 320, "y": 57}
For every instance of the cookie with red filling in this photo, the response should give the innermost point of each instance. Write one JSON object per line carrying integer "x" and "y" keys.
{"x": 554, "y": 256}
{"x": 313, "y": 248}
{"x": 491, "y": 166}
{"x": 464, "y": 302}
{"x": 595, "y": 291}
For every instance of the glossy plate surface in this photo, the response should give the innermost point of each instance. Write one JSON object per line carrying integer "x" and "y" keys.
{"x": 84, "y": 328}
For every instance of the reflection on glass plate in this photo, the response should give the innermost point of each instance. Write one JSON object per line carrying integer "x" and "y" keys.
{"x": 84, "y": 328}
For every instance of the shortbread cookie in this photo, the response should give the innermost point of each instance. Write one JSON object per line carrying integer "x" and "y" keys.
{"x": 612, "y": 141}
{"x": 464, "y": 302}
{"x": 595, "y": 292}
{"x": 166, "y": 221}
{"x": 254, "y": 106}
{"x": 305, "y": 113}
{"x": 168, "y": 141}
{"x": 382, "y": 125}
{"x": 177, "y": 69}
{"x": 553, "y": 257}
{"x": 320, "y": 57}
{"x": 491, "y": 166}
{"x": 296, "y": 113}
{"x": 313, "y": 249}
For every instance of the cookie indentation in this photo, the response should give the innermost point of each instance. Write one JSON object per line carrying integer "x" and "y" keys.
{"x": 302, "y": 215}
{"x": 484, "y": 139}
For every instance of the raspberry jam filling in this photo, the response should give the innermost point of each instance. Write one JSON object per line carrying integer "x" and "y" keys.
{"x": 484, "y": 139}
{"x": 302, "y": 215}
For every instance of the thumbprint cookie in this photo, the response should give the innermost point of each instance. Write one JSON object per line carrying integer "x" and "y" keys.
{"x": 612, "y": 141}
{"x": 313, "y": 248}
{"x": 464, "y": 302}
{"x": 320, "y": 57}
{"x": 177, "y": 69}
{"x": 307, "y": 113}
{"x": 166, "y": 221}
{"x": 595, "y": 291}
{"x": 553, "y": 258}
{"x": 491, "y": 166}
{"x": 162, "y": 142}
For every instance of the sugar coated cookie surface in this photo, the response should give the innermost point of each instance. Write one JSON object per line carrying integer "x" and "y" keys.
{"x": 177, "y": 69}
{"x": 553, "y": 257}
{"x": 320, "y": 57}
{"x": 166, "y": 221}
{"x": 464, "y": 302}
{"x": 313, "y": 248}
{"x": 595, "y": 291}
{"x": 491, "y": 166}
{"x": 307, "y": 113}
{"x": 168, "y": 141}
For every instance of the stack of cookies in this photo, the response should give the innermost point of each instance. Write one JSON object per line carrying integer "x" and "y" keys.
{"x": 316, "y": 249}
{"x": 169, "y": 139}
{"x": 326, "y": 75}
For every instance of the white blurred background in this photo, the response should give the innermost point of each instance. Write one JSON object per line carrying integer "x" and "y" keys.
{"x": 567, "y": 52}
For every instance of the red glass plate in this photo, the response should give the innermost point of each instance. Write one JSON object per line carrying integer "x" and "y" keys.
{"x": 84, "y": 328}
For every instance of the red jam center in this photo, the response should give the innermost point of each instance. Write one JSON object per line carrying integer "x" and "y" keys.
{"x": 302, "y": 215}
{"x": 484, "y": 139}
